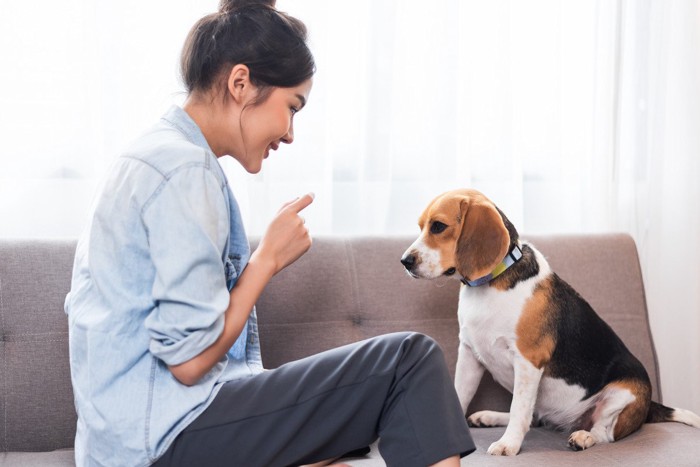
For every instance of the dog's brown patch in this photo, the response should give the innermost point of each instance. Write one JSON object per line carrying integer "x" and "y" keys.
{"x": 535, "y": 339}
{"x": 634, "y": 414}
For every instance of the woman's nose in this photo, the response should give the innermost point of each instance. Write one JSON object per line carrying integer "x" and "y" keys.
{"x": 289, "y": 137}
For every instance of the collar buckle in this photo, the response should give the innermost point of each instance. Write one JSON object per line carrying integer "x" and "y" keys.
{"x": 511, "y": 258}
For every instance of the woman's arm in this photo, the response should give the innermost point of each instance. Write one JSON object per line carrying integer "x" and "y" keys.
{"x": 286, "y": 239}
{"x": 250, "y": 285}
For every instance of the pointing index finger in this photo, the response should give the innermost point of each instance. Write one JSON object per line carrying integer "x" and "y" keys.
{"x": 302, "y": 202}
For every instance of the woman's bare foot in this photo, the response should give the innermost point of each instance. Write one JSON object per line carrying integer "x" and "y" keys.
{"x": 449, "y": 462}
{"x": 327, "y": 462}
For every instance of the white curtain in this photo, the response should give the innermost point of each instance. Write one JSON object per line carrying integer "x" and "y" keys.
{"x": 656, "y": 174}
{"x": 576, "y": 116}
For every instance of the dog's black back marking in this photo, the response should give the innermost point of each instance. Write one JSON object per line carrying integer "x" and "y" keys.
{"x": 588, "y": 352}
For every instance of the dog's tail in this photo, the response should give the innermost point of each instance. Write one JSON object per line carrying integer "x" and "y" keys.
{"x": 661, "y": 413}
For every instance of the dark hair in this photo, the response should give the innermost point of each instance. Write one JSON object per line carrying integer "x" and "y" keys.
{"x": 270, "y": 43}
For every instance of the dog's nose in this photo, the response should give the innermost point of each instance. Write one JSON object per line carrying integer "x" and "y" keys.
{"x": 408, "y": 261}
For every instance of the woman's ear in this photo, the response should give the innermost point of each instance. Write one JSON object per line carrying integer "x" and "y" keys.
{"x": 483, "y": 241}
{"x": 239, "y": 85}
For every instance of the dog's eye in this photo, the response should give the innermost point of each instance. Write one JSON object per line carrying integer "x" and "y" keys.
{"x": 437, "y": 227}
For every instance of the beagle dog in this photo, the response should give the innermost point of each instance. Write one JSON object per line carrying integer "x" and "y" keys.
{"x": 534, "y": 333}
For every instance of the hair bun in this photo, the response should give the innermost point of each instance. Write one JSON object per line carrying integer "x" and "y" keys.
{"x": 229, "y": 6}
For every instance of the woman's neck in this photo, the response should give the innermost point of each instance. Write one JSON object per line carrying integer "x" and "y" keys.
{"x": 210, "y": 116}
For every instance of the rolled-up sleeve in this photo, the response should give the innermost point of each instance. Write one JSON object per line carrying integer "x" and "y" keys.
{"x": 187, "y": 224}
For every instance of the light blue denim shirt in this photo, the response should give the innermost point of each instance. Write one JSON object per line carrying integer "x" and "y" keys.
{"x": 151, "y": 281}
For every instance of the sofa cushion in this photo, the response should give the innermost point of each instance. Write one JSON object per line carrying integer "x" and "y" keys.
{"x": 652, "y": 445}
{"x": 58, "y": 458}
{"x": 660, "y": 444}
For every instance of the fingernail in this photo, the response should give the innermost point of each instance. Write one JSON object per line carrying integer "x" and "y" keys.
{"x": 313, "y": 196}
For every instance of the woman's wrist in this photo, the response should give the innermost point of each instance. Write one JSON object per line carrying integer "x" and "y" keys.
{"x": 264, "y": 263}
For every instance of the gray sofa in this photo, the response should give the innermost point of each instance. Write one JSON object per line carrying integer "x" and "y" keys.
{"x": 343, "y": 290}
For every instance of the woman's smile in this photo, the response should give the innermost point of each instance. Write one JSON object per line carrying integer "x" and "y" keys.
{"x": 271, "y": 147}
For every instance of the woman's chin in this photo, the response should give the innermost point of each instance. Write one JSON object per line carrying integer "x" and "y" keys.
{"x": 249, "y": 164}
{"x": 254, "y": 169}
{"x": 252, "y": 166}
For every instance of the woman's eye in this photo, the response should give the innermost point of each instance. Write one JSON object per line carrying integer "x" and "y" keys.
{"x": 294, "y": 110}
{"x": 437, "y": 227}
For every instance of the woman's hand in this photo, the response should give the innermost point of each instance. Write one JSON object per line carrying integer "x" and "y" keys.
{"x": 286, "y": 238}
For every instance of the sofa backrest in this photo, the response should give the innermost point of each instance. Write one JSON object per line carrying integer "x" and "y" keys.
{"x": 355, "y": 288}
{"x": 341, "y": 291}
{"x": 36, "y": 404}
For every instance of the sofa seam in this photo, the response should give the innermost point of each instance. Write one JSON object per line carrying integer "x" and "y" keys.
{"x": 343, "y": 320}
{"x": 4, "y": 369}
{"x": 43, "y": 340}
{"x": 34, "y": 333}
{"x": 354, "y": 278}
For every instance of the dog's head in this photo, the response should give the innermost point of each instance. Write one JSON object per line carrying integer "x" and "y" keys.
{"x": 461, "y": 231}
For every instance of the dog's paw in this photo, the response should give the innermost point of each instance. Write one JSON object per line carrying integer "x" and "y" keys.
{"x": 504, "y": 448}
{"x": 487, "y": 418}
{"x": 580, "y": 440}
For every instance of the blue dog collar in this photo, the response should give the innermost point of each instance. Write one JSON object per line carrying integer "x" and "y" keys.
{"x": 511, "y": 258}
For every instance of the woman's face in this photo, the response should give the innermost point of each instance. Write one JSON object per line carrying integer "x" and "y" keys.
{"x": 267, "y": 125}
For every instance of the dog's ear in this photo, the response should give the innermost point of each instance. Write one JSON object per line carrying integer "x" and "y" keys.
{"x": 483, "y": 241}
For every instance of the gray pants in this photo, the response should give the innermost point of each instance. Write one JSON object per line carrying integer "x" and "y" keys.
{"x": 394, "y": 387}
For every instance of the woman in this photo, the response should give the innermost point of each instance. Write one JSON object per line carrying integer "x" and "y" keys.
{"x": 165, "y": 358}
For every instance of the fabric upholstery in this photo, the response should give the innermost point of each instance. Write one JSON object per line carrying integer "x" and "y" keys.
{"x": 341, "y": 291}
{"x": 37, "y": 399}
{"x": 656, "y": 445}
{"x": 357, "y": 288}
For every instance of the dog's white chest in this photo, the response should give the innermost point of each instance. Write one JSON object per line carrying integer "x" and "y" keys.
{"x": 496, "y": 354}
{"x": 487, "y": 320}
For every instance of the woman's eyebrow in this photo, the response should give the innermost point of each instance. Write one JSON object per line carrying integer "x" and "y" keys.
{"x": 302, "y": 99}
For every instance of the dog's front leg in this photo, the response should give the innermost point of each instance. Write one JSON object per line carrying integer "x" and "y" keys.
{"x": 527, "y": 381}
{"x": 467, "y": 375}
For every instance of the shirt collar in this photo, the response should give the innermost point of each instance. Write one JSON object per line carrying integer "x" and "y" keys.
{"x": 181, "y": 120}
